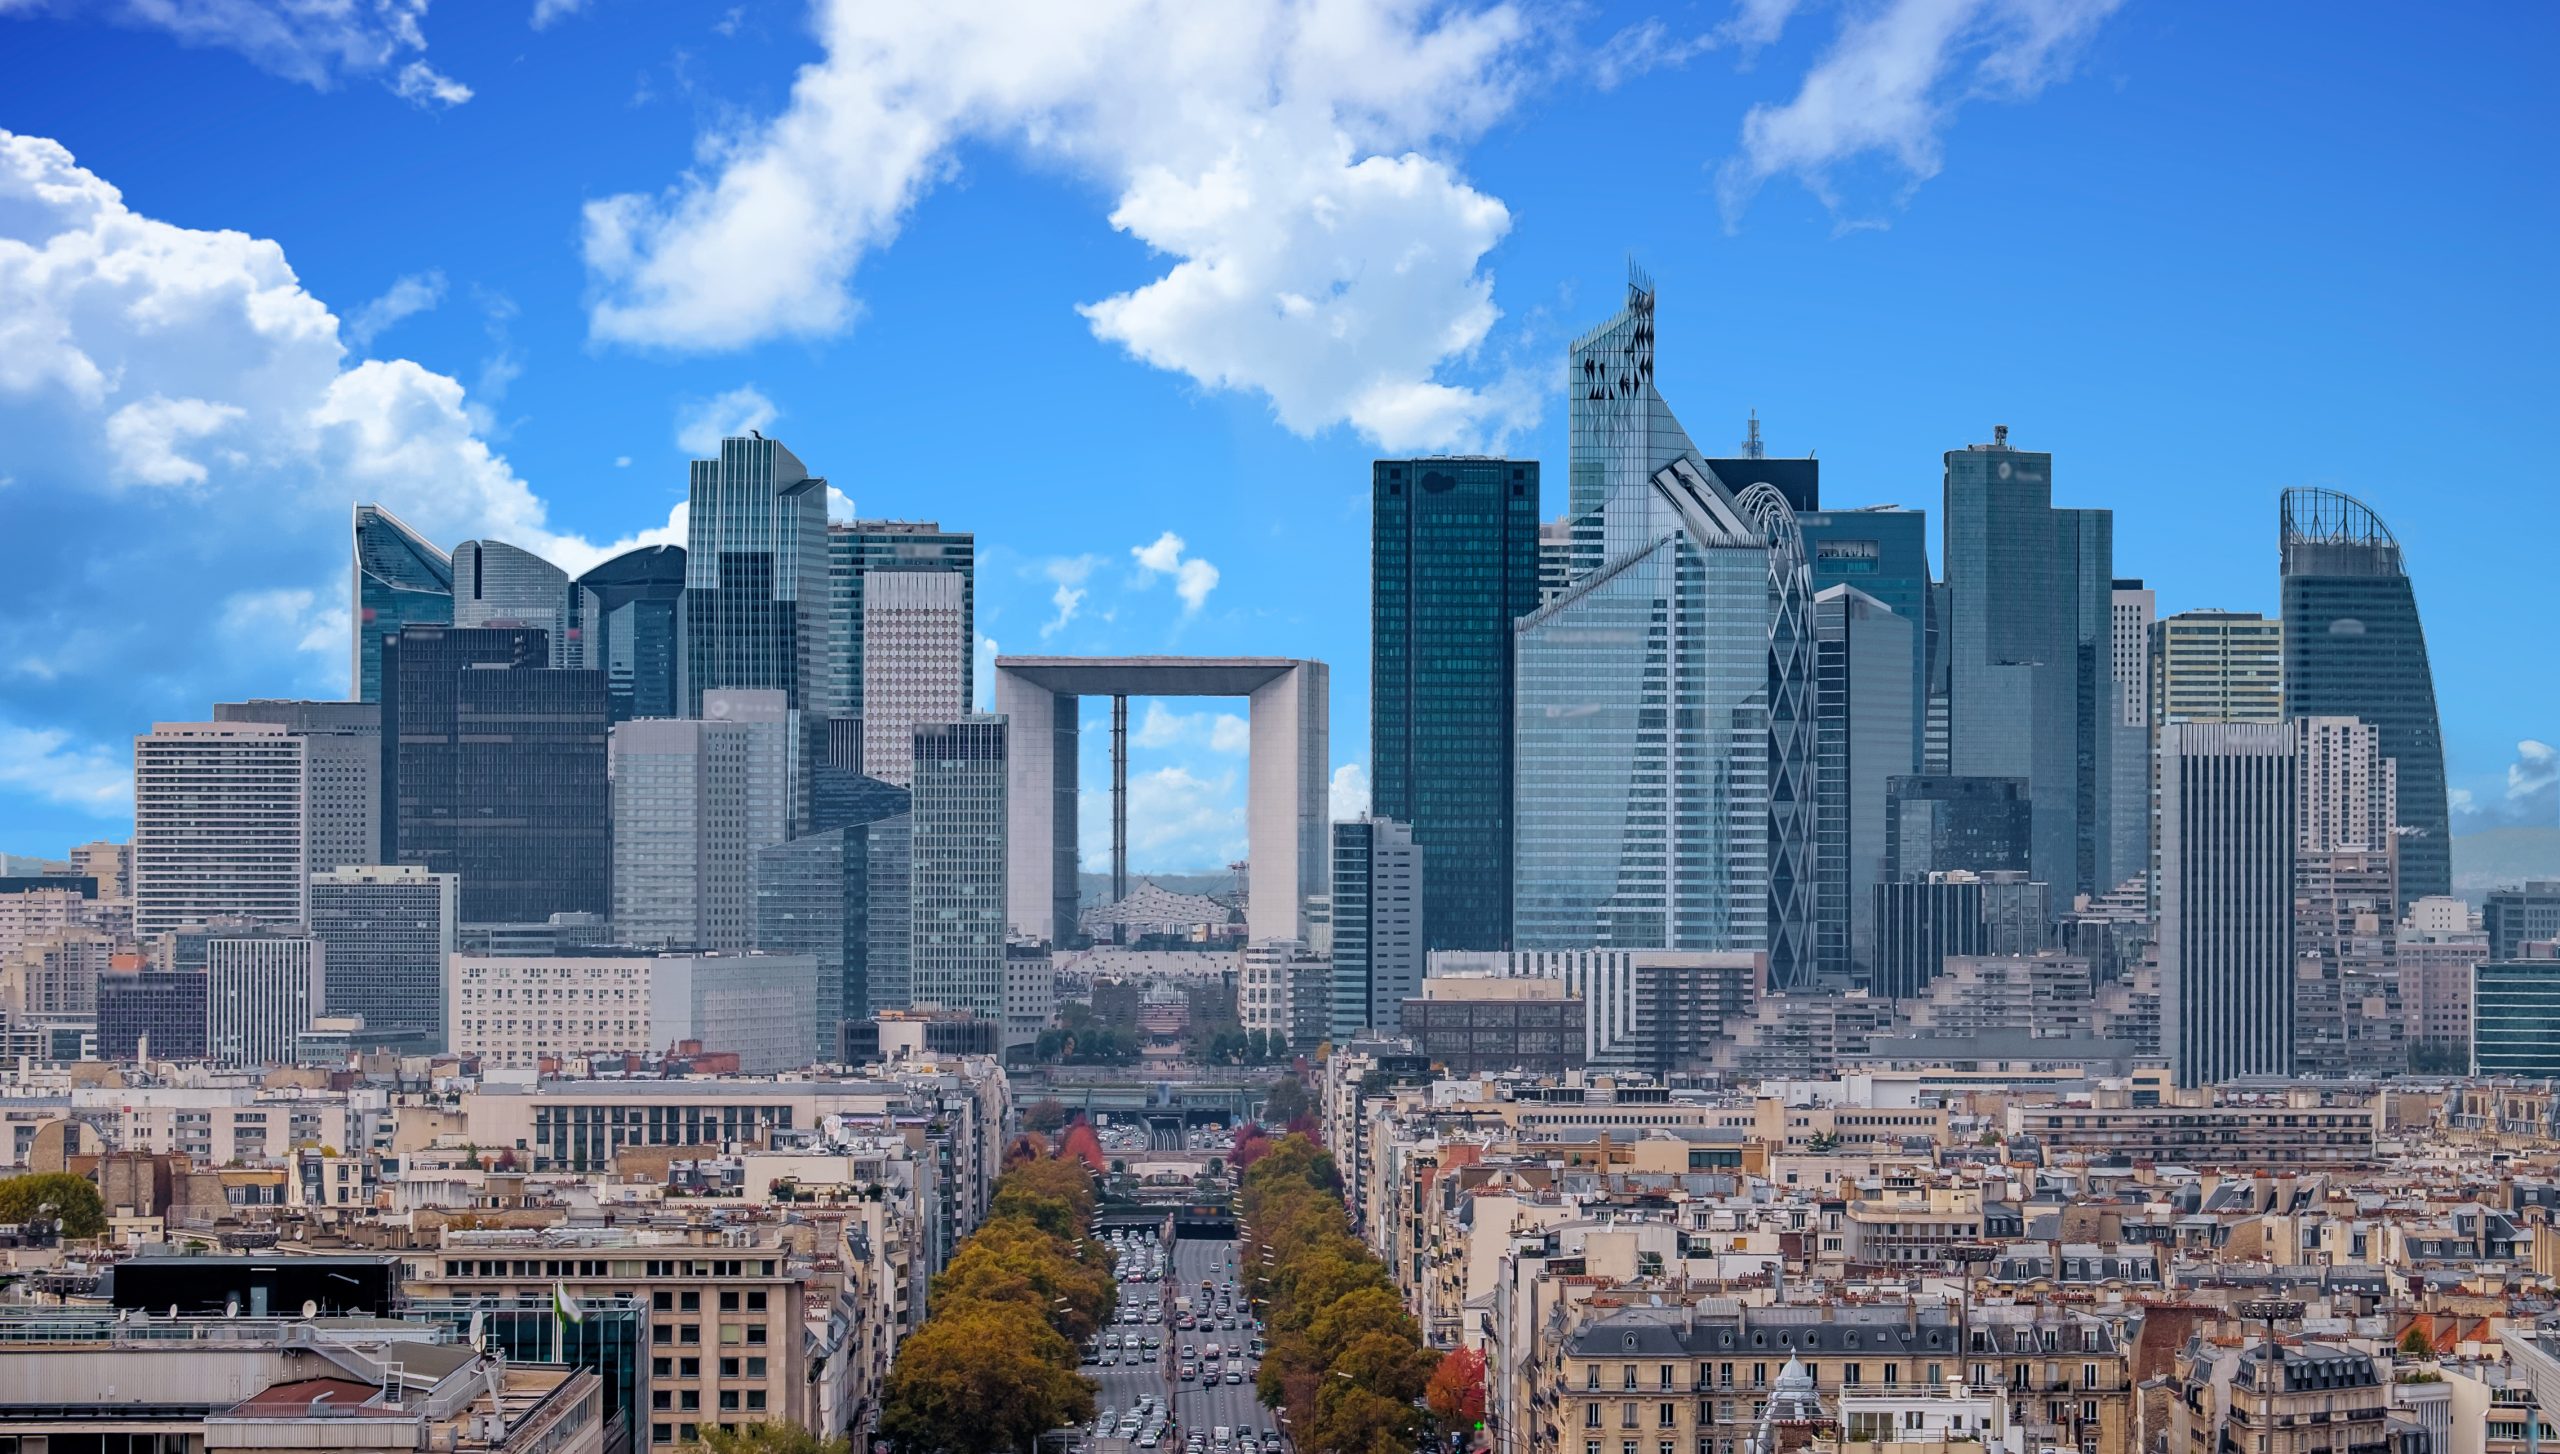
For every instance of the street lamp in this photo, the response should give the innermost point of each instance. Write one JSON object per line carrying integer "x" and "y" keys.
{"x": 2271, "y": 1311}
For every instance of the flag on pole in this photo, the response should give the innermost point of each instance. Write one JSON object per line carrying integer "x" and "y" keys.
{"x": 564, "y": 1307}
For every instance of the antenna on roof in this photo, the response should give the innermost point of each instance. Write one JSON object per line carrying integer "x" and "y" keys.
{"x": 1751, "y": 447}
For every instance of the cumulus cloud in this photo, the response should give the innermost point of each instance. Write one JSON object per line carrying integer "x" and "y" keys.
{"x": 1193, "y": 578}
{"x": 2531, "y": 796}
{"x": 47, "y": 765}
{"x": 1067, "y": 576}
{"x": 1348, "y": 793}
{"x": 703, "y": 423}
{"x": 406, "y": 297}
{"x": 236, "y": 432}
{"x": 317, "y": 43}
{"x": 1284, "y": 156}
{"x": 1179, "y": 820}
{"x": 1222, "y": 732}
{"x": 549, "y": 12}
{"x": 1891, "y": 84}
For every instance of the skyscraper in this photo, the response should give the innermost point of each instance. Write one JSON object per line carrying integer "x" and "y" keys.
{"x": 2030, "y": 681}
{"x": 915, "y": 654}
{"x": 1620, "y": 431}
{"x": 384, "y": 932}
{"x": 1946, "y": 824}
{"x": 218, "y": 828}
{"x": 957, "y": 893}
{"x": 812, "y": 898}
{"x": 2350, "y": 789}
{"x": 1453, "y": 562}
{"x": 261, "y": 991}
{"x": 342, "y": 757}
{"x": 2218, "y": 666}
{"x": 1880, "y": 551}
{"x": 635, "y": 631}
{"x": 2520, "y": 914}
{"x": 694, "y": 799}
{"x": 755, "y": 597}
{"x": 1642, "y": 741}
{"x": 2129, "y": 804}
{"x": 2228, "y": 837}
{"x": 2353, "y": 647}
{"x": 856, "y": 549}
{"x": 1380, "y": 885}
{"x": 497, "y": 584}
{"x": 1864, "y": 709}
{"x": 1920, "y": 922}
{"x": 400, "y": 580}
{"x": 493, "y": 769}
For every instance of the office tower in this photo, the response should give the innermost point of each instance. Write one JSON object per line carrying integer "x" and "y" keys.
{"x": 54, "y": 980}
{"x": 1919, "y": 923}
{"x": 2228, "y": 796}
{"x": 2347, "y": 1002}
{"x": 261, "y": 991}
{"x": 2524, "y": 914}
{"x": 755, "y": 587}
{"x": 1621, "y": 433}
{"x": 2515, "y": 1016}
{"x": 384, "y": 931}
{"x": 856, "y": 550}
{"x": 915, "y": 654}
{"x": 1380, "y": 888}
{"x": 400, "y": 580}
{"x": 841, "y": 794}
{"x": 1934, "y": 726}
{"x": 155, "y": 1013}
{"x": 1642, "y": 743}
{"x": 1880, "y": 551}
{"x": 1796, "y": 478}
{"x": 1864, "y": 710}
{"x": 693, "y": 800}
{"x": 1284, "y": 988}
{"x": 889, "y": 905}
{"x": 342, "y": 760}
{"x": 493, "y": 769}
{"x": 957, "y": 883}
{"x": 2030, "y": 665}
{"x": 2437, "y": 943}
{"x": 218, "y": 827}
{"x": 2353, "y": 647}
{"x": 2129, "y": 803}
{"x": 1453, "y": 562}
{"x": 2350, "y": 791}
{"x": 1555, "y": 558}
{"x": 1949, "y": 824}
{"x": 811, "y": 899}
{"x": 635, "y": 631}
{"x": 497, "y": 584}
{"x": 2218, "y": 666}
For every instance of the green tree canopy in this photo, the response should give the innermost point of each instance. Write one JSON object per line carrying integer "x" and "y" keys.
{"x": 769, "y": 1438}
{"x": 75, "y": 1202}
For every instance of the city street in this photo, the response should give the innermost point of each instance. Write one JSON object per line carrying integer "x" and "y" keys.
{"x": 1199, "y": 1406}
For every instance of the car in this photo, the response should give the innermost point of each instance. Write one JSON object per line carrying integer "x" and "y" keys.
{"x": 1235, "y": 1375}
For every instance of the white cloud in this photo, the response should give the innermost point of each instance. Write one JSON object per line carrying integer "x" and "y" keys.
{"x": 703, "y": 423}
{"x": 46, "y": 764}
{"x": 1181, "y": 820}
{"x": 1348, "y": 793}
{"x": 986, "y": 673}
{"x": 1280, "y": 154}
{"x": 2535, "y": 771}
{"x": 1193, "y": 578}
{"x": 1891, "y": 84}
{"x": 839, "y": 504}
{"x": 1222, "y": 732}
{"x": 318, "y": 43}
{"x": 407, "y": 296}
{"x": 549, "y": 12}
{"x": 1067, "y": 576}
{"x": 622, "y": 461}
{"x": 195, "y": 364}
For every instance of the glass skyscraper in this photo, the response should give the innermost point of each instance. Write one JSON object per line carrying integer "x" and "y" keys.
{"x": 400, "y": 580}
{"x": 2353, "y": 647}
{"x": 856, "y": 549}
{"x": 1863, "y": 710}
{"x": 1380, "y": 883}
{"x": 2030, "y": 654}
{"x": 1453, "y": 562}
{"x": 635, "y": 630}
{"x": 1620, "y": 432}
{"x": 755, "y": 598}
{"x": 1882, "y": 552}
{"x": 497, "y": 584}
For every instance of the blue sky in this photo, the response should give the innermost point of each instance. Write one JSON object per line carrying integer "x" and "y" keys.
{"x": 1077, "y": 277}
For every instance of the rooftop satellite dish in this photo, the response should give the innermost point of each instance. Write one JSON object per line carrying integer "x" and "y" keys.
{"x": 231, "y": 1308}
{"x": 310, "y": 1309}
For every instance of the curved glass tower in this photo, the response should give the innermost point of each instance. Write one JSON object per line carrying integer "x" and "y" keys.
{"x": 2353, "y": 648}
{"x": 497, "y": 584}
{"x": 1791, "y": 738}
{"x": 635, "y": 630}
{"x": 400, "y": 580}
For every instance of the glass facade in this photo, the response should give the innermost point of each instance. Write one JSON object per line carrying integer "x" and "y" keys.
{"x": 1642, "y": 778}
{"x": 384, "y": 935}
{"x": 811, "y": 898}
{"x": 400, "y": 580}
{"x": 1863, "y": 708}
{"x": 2353, "y": 647}
{"x": 1943, "y": 824}
{"x": 755, "y": 599}
{"x": 1378, "y": 895}
{"x": 497, "y": 584}
{"x": 1620, "y": 431}
{"x": 957, "y": 829}
{"x": 634, "y": 620}
{"x": 857, "y": 548}
{"x": 493, "y": 768}
{"x": 2030, "y": 654}
{"x": 1881, "y": 552}
{"x": 1454, "y": 561}
{"x": 888, "y": 971}
{"x": 2515, "y": 1018}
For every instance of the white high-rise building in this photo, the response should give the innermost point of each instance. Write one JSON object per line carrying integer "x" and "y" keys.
{"x": 514, "y": 1009}
{"x": 915, "y": 655}
{"x": 261, "y": 993}
{"x": 218, "y": 825}
{"x": 2228, "y": 803}
{"x": 2350, "y": 791}
{"x": 2135, "y": 608}
{"x": 342, "y": 773}
{"x": 692, "y": 802}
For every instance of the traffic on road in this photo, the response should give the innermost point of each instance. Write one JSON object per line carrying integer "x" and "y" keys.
{"x": 1175, "y": 1371}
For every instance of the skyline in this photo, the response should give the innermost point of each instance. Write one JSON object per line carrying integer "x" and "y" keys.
{"x": 2386, "y": 346}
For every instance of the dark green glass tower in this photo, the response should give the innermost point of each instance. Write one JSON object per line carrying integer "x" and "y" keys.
{"x": 1454, "y": 561}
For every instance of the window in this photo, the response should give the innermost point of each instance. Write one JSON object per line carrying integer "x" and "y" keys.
{"x": 690, "y": 1400}
{"x": 662, "y": 1367}
{"x": 755, "y": 1399}
{"x": 728, "y": 1368}
{"x": 755, "y": 1368}
{"x": 689, "y": 1333}
{"x": 662, "y": 1398}
{"x": 1665, "y": 1374}
{"x": 1591, "y": 1416}
{"x": 662, "y": 1335}
{"x": 755, "y": 1334}
{"x": 689, "y": 1302}
{"x": 1627, "y": 1377}
{"x": 1591, "y": 1376}
{"x": 729, "y": 1301}
{"x": 662, "y": 1434}
{"x": 755, "y": 1302}
{"x": 728, "y": 1400}
{"x": 1852, "y": 1373}
{"x": 1627, "y": 1415}
{"x": 663, "y": 1301}
{"x": 689, "y": 1367}
{"x": 1667, "y": 1416}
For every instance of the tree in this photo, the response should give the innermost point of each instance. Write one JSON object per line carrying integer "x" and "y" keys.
{"x": 1456, "y": 1393}
{"x": 1046, "y": 1116}
{"x": 75, "y": 1202}
{"x": 1288, "y": 1101}
{"x": 772, "y": 1438}
{"x": 981, "y": 1378}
